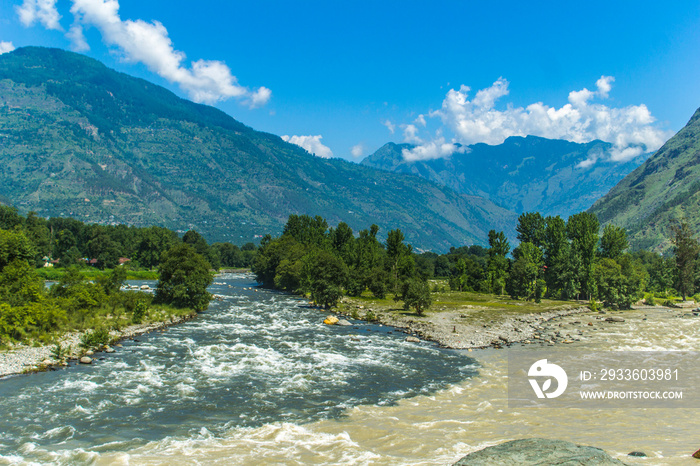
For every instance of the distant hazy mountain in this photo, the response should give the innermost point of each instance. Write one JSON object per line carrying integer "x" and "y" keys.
{"x": 522, "y": 174}
{"x": 78, "y": 139}
{"x": 666, "y": 188}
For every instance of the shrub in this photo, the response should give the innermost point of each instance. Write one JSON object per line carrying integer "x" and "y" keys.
{"x": 95, "y": 338}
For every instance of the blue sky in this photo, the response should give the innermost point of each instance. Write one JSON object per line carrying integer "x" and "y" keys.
{"x": 351, "y": 72}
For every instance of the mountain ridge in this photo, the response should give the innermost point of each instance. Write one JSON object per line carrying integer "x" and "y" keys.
{"x": 79, "y": 139}
{"x": 522, "y": 174}
{"x": 663, "y": 190}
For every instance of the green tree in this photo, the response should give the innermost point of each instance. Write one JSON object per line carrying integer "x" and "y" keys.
{"x": 14, "y": 246}
{"x": 526, "y": 272}
{"x": 685, "y": 249}
{"x": 613, "y": 242}
{"x": 415, "y": 293}
{"x": 20, "y": 284}
{"x": 582, "y": 230}
{"x": 400, "y": 263}
{"x": 555, "y": 252}
{"x": 531, "y": 228}
{"x": 323, "y": 276}
{"x": 183, "y": 279}
{"x": 620, "y": 282}
{"x": 307, "y": 230}
{"x": 498, "y": 263}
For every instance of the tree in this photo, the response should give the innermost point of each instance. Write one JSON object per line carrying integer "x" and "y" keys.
{"x": 555, "y": 255}
{"x": 526, "y": 272}
{"x": 613, "y": 242}
{"x": 14, "y": 246}
{"x": 343, "y": 242}
{"x": 324, "y": 276}
{"x": 200, "y": 245}
{"x": 498, "y": 262}
{"x": 620, "y": 282}
{"x": 415, "y": 294}
{"x": 20, "y": 284}
{"x": 685, "y": 249}
{"x": 582, "y": 230}
{"x": 401, "y": 264}
{"x": 307, "y": 230}
{"x": 183, "y": 279}
{"x": 531, "y": 228}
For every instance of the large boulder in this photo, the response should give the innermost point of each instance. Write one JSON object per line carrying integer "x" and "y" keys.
{"x": 537, "y": 451}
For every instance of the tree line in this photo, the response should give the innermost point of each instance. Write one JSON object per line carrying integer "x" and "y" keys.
{"x": 554, "y": 259}
{"x": 570, "y": 259}
{"x": 69, "y": 242}
{"x": 311, "y": 258}
{"x": 30, "y": 310}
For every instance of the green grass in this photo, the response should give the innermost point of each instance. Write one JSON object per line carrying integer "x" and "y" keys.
{"x": 56, "y": 273}
{"x": 478, "y": 307}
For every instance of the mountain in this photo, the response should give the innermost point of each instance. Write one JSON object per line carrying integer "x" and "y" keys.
{"x": 666, "y": 188}
{"x": 522, "y": 174}
{"x": 79, "y": 139}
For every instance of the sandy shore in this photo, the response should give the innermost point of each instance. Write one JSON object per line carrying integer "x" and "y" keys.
{"x": 22, "y": 358}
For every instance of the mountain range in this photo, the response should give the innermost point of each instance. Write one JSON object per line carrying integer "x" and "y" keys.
{"x": 662, "y": 191}
{"x": 523, "y": 174}
{"x": 78, "y": 139}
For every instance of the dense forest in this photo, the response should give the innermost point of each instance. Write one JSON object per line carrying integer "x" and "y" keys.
{"x": 556, "y": 259}
{"x": 92, "y": 263}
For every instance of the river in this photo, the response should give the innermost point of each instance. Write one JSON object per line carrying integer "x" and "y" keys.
{"x": 258, "y": 379}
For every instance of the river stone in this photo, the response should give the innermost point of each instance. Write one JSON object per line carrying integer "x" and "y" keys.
{"x": 615, "y": 319}
{"x": 537, "y": 451}
{"x": 109, "y": 349}
{"x": 331, "y": 320}
{"x": 344, "y": 323}
{"x": 639, "y": 454}
{"x": 85, "y": 360}
{"x": 413, "y": 339}
{"x": 696, "y": 454}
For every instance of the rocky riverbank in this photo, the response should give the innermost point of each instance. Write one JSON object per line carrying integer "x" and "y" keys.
{"x": 467, "y": 329}
{"x": 23, "y": 359}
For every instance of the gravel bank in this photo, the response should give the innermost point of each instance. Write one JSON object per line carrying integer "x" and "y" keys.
{"x": 23, "y": 358}
{"x": 454, "y": 329}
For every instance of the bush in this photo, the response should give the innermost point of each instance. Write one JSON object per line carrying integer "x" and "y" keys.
{"x": 415, "y": 294}
{"x": 95, "y": 338}
{"x": 370, "y": 316}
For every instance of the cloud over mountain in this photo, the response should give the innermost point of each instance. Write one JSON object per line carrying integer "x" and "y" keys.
{"x": 631, "y": 129}
{"x": 312, "y": 145}
{"x": 6, "y": 47}
{"x": 138, "y": 41}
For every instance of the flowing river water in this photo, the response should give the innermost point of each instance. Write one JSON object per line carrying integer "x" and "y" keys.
{"x": 258, "y": 379}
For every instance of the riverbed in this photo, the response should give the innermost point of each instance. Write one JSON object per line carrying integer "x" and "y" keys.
{"x": 258, "y": 379}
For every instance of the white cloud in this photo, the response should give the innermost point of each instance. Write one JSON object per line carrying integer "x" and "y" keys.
{"x": 312, "y": 145}
{"x": 6, "y": 47}
{"x": 138, "y": 41}
{"x": 630, "y": 129}
{"x": 390, "y": 126}
{"x": 434, "y": 149}
{"x": 357, "y": 150}
{"x": 43, "y": 11}
{"x": 410, "y": 134}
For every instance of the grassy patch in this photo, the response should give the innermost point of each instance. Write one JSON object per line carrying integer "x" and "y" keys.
{"x": 478, "y": 307}
{"x": 57, "y": 273}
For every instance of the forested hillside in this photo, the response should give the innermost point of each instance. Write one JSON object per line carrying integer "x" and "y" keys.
{"x": 80, "y": 140}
